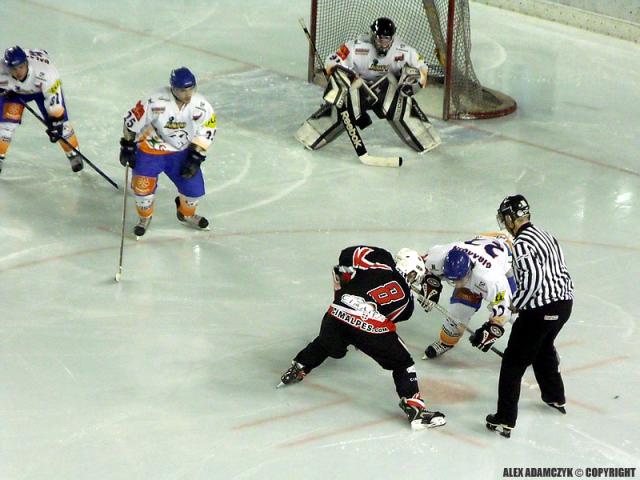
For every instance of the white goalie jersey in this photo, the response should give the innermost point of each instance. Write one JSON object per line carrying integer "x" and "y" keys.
{"x": 161, "y": 127}
{"x": 361, "y": 57}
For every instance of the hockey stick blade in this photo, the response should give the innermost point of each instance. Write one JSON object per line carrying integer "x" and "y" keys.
{"x": 374, "y": 161}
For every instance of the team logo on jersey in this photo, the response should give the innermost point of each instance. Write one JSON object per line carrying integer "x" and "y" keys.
{"x": 173, "y": 125}
{"x": 376, "y": 67}
{"x": 55, "y": 87}
{"x": 138, "y": 110}
{"x": 180, "y": 137}
{"x": 343, "y": 52}
{"x": 368, "y": 310}
{"x": 399, "y": 58}
{"x": 360, "y": 260}
{"x": 211, "y": 123}
{"x": 499, "y": 297}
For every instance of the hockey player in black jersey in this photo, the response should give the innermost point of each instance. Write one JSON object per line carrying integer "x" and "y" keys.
{"x": 372, "y": 294}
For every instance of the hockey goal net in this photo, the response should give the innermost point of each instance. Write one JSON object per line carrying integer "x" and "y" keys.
{"x": 438, "y": 29}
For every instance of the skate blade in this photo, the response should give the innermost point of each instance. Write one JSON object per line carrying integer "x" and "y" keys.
{"x": 280, "y": 385}
{"x": 195, "y": 227}
{"x": 118, "y": 277}
{"x": 500, "y": 430}
{"x": 417, "y": 425}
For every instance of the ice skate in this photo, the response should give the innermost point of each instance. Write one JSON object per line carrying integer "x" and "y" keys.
{"x": 76, "y": 162}
{"x": 294, "y": 374}
{"x": 141, "y": 227}
{"x": 495, "y": 425}
{"x": 558, "y": 406}
{"x": 419, "y": 417}
{"x": 194, "y": 221}
{"x": 436, "y": 349}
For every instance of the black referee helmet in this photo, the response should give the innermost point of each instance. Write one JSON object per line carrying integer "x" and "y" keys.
{"x": 514, "y": 207}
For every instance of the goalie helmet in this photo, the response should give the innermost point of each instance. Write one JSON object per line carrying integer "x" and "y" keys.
{"x": 14, "y": 56}
{"x": 182, "y": 78}
{"x": 457, "y": 265}
{"x": 514, "y": 207}
{"x": 411, "y": 265}
{"x": 382, "y": 33}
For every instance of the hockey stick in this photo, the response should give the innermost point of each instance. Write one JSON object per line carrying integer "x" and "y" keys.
{"x": 64, "y": 140}
{"x": 347, "y": 118}
{"x": 431, "y": 304}
{"x": 124, "y": 215}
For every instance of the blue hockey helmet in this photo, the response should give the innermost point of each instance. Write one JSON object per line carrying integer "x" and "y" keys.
{"x": 457, "y": 264}
{"x": 182, "y": 78}
{"x": 14, "y": 56}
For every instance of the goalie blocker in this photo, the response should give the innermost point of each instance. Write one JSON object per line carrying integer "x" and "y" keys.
{"x": 389, "y": 98}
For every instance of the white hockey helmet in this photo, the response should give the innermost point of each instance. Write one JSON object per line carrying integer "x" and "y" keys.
{"x": 411, "y": 265}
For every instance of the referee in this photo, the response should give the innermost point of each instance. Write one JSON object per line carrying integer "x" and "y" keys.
{"x": 543, "y": 298}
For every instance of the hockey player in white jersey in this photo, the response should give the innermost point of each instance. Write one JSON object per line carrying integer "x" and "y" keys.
{"x": 479, "y": 269}
{"x": 377, "y": 72}
{"x": 169, "y": 132}
{"x": 26, "y": 76}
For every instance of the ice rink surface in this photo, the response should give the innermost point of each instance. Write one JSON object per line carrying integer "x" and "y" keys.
{"x": 171, "y": 373}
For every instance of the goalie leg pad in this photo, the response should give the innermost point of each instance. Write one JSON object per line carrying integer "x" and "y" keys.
{"x": 412, "y": 125}
{"x": 320, "y": 128}
{"x": 385, "y": 88}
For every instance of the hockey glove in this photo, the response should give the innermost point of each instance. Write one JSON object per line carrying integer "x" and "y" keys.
{"x": 486, "y": 335}
{"x": 54, "y": 129}
{"x": 429, "y": 292}
{"x": 192, "y": 163}
{"x": 432, "y": 287}
{"x": 127, "y": 152}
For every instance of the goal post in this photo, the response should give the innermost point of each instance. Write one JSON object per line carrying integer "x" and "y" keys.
{"x": 438, "y": 29}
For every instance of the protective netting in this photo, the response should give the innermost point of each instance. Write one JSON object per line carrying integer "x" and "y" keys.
{"x": 423, "y": 24}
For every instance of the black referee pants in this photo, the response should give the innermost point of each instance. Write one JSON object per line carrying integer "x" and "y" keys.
{"x": 531, "y": 343}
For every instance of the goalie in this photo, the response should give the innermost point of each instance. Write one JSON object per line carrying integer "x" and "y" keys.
{"x": 377, "y": 72}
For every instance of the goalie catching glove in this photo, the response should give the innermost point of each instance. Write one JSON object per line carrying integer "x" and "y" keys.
{"x": 410, "y": 81}
{"x": 485, "y": 336}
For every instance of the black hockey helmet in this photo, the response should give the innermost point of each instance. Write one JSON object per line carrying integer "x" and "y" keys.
{"x": 514, "y": 207}
{"x": 382, "y": 31}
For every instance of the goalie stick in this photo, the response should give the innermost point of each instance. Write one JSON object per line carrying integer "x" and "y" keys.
{"x": 348, "y": 121}
{"x": 431, "y": 304}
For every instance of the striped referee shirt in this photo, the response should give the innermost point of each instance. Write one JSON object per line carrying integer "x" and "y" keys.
{"x": 539, "y": 268}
